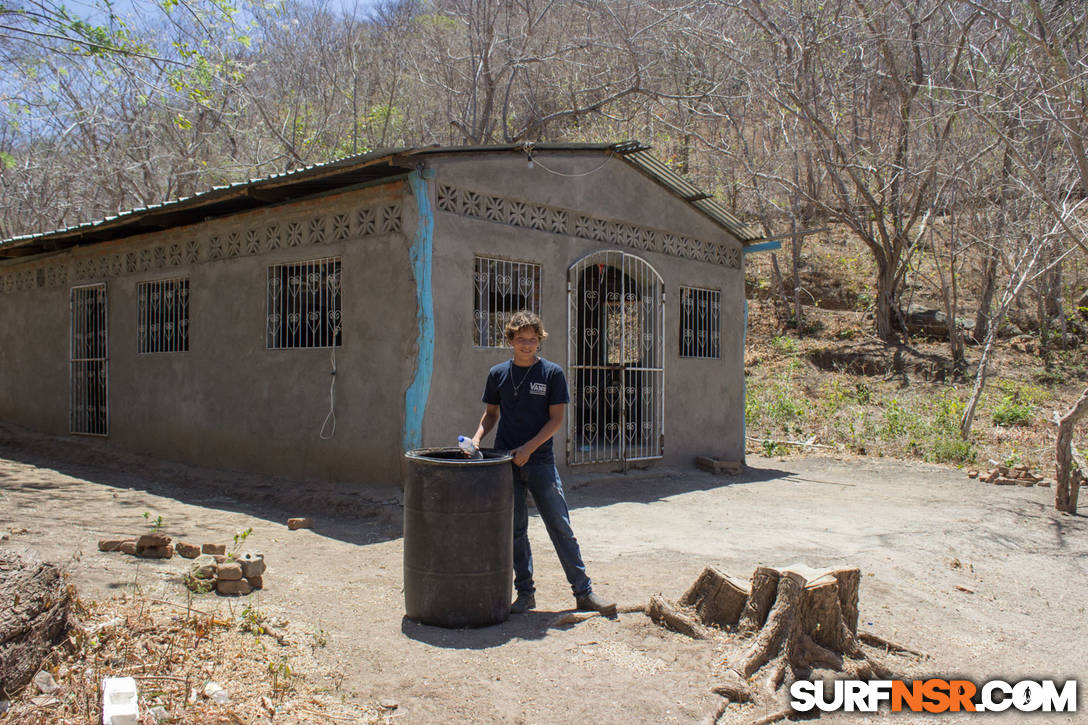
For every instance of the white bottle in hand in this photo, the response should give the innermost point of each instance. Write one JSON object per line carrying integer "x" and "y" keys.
{"x": 469, "y": 448}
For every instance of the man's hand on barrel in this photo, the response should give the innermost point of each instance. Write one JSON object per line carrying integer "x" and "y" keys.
{"x": 521, "y": 455}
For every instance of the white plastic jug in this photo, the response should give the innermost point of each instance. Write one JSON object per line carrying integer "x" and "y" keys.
{"x": 120, "y": 704}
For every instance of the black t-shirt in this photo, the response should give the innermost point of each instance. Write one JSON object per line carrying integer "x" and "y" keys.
{"x": 523, "y": 396}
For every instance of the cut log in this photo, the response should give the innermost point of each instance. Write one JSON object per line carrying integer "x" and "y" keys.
{"x": 821, "y": 615}
{"x": 780, "y": 623}
{"x": 764, "y": 586}
{"x": 716, "y": 598}
{"x": 829, "y": 610}
{"x": 849, "y": 579}
{"x": 668, "y": 616}
{"x": 34, "y": 602}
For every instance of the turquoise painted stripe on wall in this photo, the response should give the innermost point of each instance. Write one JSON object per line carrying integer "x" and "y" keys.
{"x": 421, "y": 254}
{"x": 764, "y": 247}
{"x": 744, "y": 388}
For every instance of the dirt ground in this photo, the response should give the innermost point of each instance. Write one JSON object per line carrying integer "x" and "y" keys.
{"x": 921, "y": 534}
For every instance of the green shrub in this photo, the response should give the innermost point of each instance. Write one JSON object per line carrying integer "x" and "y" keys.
{"x": 947, "y": 413}
{"x": 1013, "y": 411}
{"x": 1052, "y": 376}
{"x": 834, "y": 396}
{"x": 778, "y": 405}
{"x": 864, "y": 301}
{"x": 1026, "y": 392}
{"x": 784, "y": 344}
{"x": 786, "y": 407}
{"x": 771, "y": 449}
{"x": 895, "y": 420}
{"x": 953, "y": 449}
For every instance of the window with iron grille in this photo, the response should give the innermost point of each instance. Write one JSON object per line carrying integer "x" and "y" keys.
{"x": 700, "y": 322}
{"x": 162, "y": 316}
{"x": 304, "y": 304}
{"x": 502, "y": 288}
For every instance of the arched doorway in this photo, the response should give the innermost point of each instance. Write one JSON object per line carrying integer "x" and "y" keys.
{"x": 615, "y": 323}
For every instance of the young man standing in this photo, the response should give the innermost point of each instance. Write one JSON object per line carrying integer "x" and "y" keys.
{"x": 527, "y": 397}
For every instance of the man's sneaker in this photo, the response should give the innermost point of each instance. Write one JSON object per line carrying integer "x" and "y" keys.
{"x": 592, "y": 603}
{"x": 523, "y": 604}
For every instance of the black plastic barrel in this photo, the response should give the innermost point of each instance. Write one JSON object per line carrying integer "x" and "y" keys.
{"x": 458, "y": 537}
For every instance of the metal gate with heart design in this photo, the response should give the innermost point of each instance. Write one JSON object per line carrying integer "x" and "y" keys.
{"x": 615, "y": 326}
{"x": 88, "y": 405}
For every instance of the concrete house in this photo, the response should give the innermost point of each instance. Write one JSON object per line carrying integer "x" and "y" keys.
{"x": 318, "y": 323}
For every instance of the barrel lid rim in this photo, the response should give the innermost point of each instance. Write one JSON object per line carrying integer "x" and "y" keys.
{"x": 420, "y": 454}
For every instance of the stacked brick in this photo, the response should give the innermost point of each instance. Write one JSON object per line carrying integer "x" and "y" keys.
{"x": 212, "y": 568}
{"x": 148, "y": 546}
{"x": 1018, "y": 475}
{"x": 227, "y": 575}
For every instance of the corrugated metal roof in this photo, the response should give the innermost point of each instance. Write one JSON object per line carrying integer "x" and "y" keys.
{"x": 342, "y": 173}
{"x": 652, "y": 166}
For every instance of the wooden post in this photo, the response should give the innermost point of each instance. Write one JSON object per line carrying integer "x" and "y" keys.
{"x": 1067, "y": 487}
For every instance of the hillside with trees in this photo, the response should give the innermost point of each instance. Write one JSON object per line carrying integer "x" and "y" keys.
{"x": 923, "y": 162}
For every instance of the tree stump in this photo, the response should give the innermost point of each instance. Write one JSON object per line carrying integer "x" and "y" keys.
{"x": 784, "y": 625}
{"x": 34, "y": 601}
{"x": 764, "y": 586}
{"x": 716, "y": 598}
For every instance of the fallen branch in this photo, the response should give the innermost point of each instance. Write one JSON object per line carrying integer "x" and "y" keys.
{"x": 327, "y": 715}
{"x": 774, "y": 717}
{"x": 665, "y": 614}
{"x": 179, "y": 607}
{"x": 877, "y": 641}
{"x": 806, "y": 444}
{"x": 160, "y": 677}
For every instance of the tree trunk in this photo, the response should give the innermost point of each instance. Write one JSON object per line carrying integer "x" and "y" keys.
{"x": 980, "y": 382}
{"x": 795, "y": 248}
{"x": 950, "y": 297}
{"x": 1067, "y": 487}
{"x": 888, "y": 315}
{"x": 34, "y": 603}
{"x": 798, "y": 311}
{"x": 783, "y": 305}
{"x": 986, "y": 298}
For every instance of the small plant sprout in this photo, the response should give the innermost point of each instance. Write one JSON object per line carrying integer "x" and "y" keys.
{"x": 252, "y": 621}
{"x": 279, "y": 670}
{"x": 318, "y": 638}
{"x": 153, "y": 523}
{"x": 239, "y": 539}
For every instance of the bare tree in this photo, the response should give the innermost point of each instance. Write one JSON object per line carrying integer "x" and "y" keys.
{"x": 1048, "y": 76}
{"x": 852, "y": 82}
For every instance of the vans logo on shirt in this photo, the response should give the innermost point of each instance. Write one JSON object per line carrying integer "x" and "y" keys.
{"x": 538, "y": 389}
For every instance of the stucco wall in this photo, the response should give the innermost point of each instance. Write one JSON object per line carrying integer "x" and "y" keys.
{"x": 34, "y": 356}
{"x": 230, "y": 402}
{"x": 703, "y": 398}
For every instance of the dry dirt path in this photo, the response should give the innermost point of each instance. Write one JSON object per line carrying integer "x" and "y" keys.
{"x": 916, "y": 531}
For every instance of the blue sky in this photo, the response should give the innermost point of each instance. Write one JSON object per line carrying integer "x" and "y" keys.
{"x": 132, "y": 9}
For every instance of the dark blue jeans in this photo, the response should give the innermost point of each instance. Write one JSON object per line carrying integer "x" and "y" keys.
{"x": 542, "y": 480}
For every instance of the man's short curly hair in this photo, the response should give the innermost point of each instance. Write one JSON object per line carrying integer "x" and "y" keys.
{"x": 522, "y": 319}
